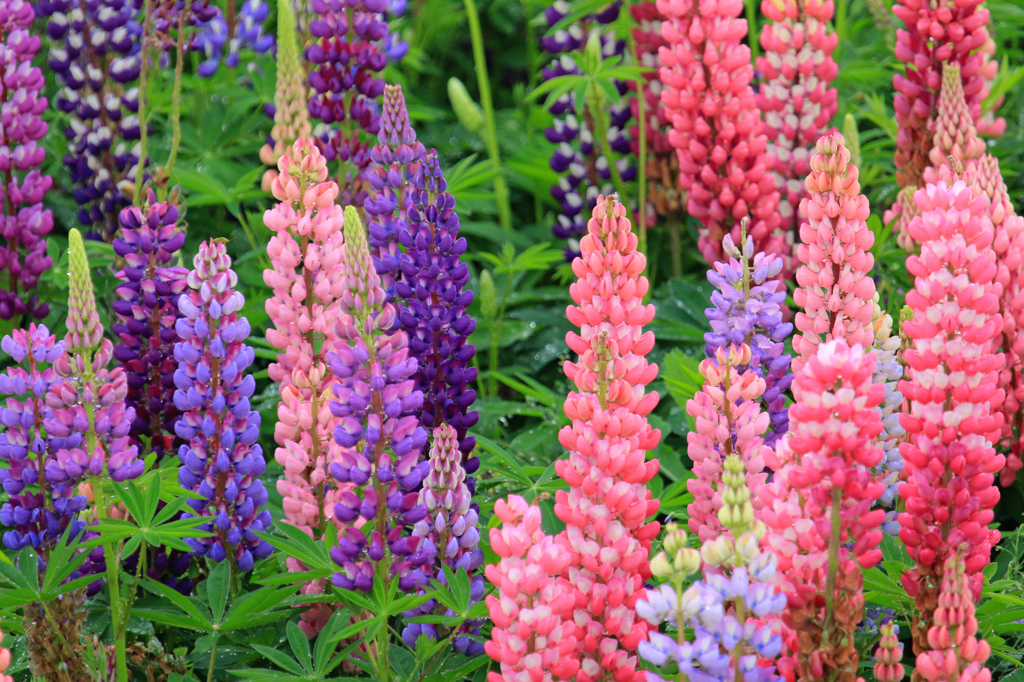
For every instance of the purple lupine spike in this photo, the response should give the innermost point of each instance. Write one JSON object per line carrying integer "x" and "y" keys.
{"x": 220, "y": 39}
{"x": 148, "y": 311}
{"x": 582, "y": 166}
{"x": 24, "y": 223}
{"x": 381, "y": 439}
{"x": 221, "y": 459}
{"x": 748, "y": 309}
{"x": 434, "y": 312}
{"x": 96, "y": 58}
{"x": 346, "y": 61}
{"x": 450, "y": 526}
{"x": 396, "y": 159}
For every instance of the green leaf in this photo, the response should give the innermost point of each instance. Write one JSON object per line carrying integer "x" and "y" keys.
{"x": 217, "y": 586}
{"x": 178, "y": 599}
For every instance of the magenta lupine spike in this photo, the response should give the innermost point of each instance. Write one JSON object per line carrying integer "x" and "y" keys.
{"x": 220, "y": 459}
{"x": 607, "y": 505}
{"x": 818, "y": 508}
{"x": 952, "y": 391}
{"x": 724, "y": 165}
{"x": 24, "y": 223}
{"x": 729, "y": 420}
{"x": 795, "y": 96}
{"x": 90, "y": 418}
{"x": 534, "y": 635}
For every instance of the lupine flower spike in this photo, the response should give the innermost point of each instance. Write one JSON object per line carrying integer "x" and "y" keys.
{"x": 221, "y": 35}
{"x": 888, "y": 373}
{"x": 748, "y": 310}
{"x": 24, "y": 223}
{"x": 220, "y": 459}
{"x": 889, "y": 654}
{"x": 724, "y": 165}
{"x": 534, "y": 635}
{"x": 953, "y": 394}
{"x": 795, "y": 96}
{"x": 378, "y": 431}
{"x": 818, "y": 509}
{"x": 607, "y": 505}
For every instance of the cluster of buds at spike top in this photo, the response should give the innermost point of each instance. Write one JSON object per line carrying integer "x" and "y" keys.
{"x": 954, "y": 653}
{"x": 90, "y": 422}
{"x": 952, "y": 391}
{"x": 818, "y": 509}
{"x": 935, "y": 34}
{"x": 795, "y": 96}
{"x": 396, "y": 160}
{"x": 724, "y": 165}
{"x": 607, "y": 505}
{"x": 434, "y": 312}
{"x": 888, "y": 373}
{"x": 346, "y": 61}
{"x": 96, "y": 60}
{"x": 37, "y": 512}
{"x": 748, "y": 310}
{"x": 24, "y": 223}
{"x": 220, "y": 459}
{"x": 221, "y": 37}
{"x": 378, "y": 431}
{"x": 291, "y": 98}
{"x": 147, "y": 310}
{"x": 534, "y": 636}
{"x": 451, "y": 527}
{"x": 580, "y": 159}
{"x": 729, "y": 422}
{"x": 889, "y": 653}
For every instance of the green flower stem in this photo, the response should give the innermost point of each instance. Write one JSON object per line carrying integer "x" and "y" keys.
{"x": 609, "y": 155}
{"x": 641, "y": 115}
{"x": 147, "y": 28}
{"x": 176, "y": 101}
{"x": 110, "y": 556}
{"x": 484, "y": 83}
{"x": 492, "y": 352}
{"x": 213, "y": 657}
{"x": 753, "y": 31}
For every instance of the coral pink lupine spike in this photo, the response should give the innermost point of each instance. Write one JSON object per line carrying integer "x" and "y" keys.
{"x": 607, "y": 505}
{"x": 724, "y": 165}
{"x": 729, "y": 420}
{"x": 795, "y": 96}
{"x": 952, "y": 392}
{"x": 955, "y": 132}
{"x": 834, "y": 286}
{"x": 534, "y": 637}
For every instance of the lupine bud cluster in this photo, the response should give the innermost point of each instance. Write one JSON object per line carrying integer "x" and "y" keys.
{"x": 953, "y": 394}
{"x": 90, "y": 422}
{"x": 889, "y": 653}
{"x": 96, "y": 59}
{"x": 579, "y": 158}
{"x": 607, "y": 505}
{"x": 434, "y": 315}
{"x": 220, "y": 459}
{"x": 729, "y": 422}
{"x": 221, "y": 35}
{"x": 534, "y": 635}
{"x": 724, "y": 165}
{"x": 795, "y": 96}
{"x": 818, "y": 509}
{"x": 748, "y": 310}
{"x": 345, "y": 66}
{"x": 451, "y": 527}
{"x": 147, "y": 309}
{"x": 396, "y": 159}
{"x": 24, "y": 223}
{"x": 378, "y": 431}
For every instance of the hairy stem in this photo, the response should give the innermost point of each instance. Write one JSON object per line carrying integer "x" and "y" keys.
{"x": 179, "y": 54}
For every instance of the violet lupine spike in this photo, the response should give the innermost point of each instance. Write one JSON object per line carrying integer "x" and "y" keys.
{"x": 147, "y": 310}
{"x": 396, "y": 159}
{"x": 795, "y": 96}
{"x": 221, "y": 38}
{"x": 346, "y": 62}
{"x": 748, "y": 310}
{"x": 24, "y": 223}
{"x": 221, "y": 459}
{"x": 379, "y": 432}
{"x": 578, "y": 157}
{"x": 96, "y": 58}
{"x": 451, "y": 527}
{"x": 434, "y": 310}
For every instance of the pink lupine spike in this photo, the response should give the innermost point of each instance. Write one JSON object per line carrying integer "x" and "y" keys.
{"x": 534, "y": 637}
{"x": 729, "y": 420}
{"x": 795, "y": 96}
{"x": 952, "y": 391}
{"x": 956, "y": 135}
{"x": 607, "y": 505}
{"x": 724, "y": 165}
{"x": 889, "y": 654}
{"x": 834, "y": 286}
